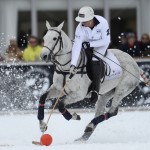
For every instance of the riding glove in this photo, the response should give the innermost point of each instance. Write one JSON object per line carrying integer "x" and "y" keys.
{"x": 73, "y": 71}
{"x": 85, "y": 45}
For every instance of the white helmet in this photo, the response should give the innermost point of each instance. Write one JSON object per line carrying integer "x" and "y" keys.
{"x": 86, "y": 13}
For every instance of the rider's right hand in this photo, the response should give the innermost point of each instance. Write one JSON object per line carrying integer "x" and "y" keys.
{"x": 73, "y": 71}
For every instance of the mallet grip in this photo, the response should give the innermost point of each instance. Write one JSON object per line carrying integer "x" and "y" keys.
{"x": 71, "y": 75}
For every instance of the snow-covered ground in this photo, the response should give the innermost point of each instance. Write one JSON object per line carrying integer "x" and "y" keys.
{"x": 127, "y": 131}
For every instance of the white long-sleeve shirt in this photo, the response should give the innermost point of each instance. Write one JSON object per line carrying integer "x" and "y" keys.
{"x": 98, "y": 37}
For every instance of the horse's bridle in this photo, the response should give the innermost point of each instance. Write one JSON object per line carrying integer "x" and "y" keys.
{"x": 52, "y": 55}
{"x": 60, "y": 46}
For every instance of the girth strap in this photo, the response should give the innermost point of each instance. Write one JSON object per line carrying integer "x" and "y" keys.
{"x": 66, "y": 72}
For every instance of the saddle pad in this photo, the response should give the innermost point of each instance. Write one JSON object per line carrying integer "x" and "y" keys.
{"x": 115, "y": 69}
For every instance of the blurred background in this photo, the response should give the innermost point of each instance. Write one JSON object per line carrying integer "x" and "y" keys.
{"x": 22, "y": 27}
{"x": 20, "y": 18}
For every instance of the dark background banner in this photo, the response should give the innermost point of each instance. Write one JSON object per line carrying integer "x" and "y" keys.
{"x": 23, "y": 83}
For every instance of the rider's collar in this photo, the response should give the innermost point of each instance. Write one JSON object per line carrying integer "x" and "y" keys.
{"x": 96, "y": 21}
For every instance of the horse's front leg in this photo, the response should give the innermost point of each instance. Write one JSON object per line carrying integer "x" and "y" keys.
{"x": 42, "y": 100}
{"x": 66, "y": 114}
{"x": 54, "y": 93}
{"x": 43, "y": 125}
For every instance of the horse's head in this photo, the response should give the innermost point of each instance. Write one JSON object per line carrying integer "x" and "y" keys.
{"x": 52, "y": 42}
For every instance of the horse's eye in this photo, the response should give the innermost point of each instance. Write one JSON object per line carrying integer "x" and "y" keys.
{"x": 54, "y": 38}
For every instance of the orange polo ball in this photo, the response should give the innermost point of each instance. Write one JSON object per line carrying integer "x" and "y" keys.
{"x": 46, "y": 139}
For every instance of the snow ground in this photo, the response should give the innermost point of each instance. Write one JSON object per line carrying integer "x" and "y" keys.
{"x": 127, "y": 131}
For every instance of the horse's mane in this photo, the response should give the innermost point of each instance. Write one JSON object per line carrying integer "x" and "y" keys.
{"x": 66, "y": 41}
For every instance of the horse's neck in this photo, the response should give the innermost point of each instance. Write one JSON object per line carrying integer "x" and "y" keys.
{"x": 67, "y": 48}
{"x": 65, "y": 54}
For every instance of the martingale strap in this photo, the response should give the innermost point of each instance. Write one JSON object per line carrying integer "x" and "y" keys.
{"x": 64, "y": 73}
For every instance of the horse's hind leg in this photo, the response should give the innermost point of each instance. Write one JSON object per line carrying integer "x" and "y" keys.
{"x": 99, "y": 115}
{"x": 126, "y": 86}
{"x": 103, "y": 100}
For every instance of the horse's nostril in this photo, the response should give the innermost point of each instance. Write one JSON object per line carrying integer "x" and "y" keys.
{"x": 45, "y": 57}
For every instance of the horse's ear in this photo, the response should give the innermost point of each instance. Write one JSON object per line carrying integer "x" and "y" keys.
{"x": 60, "y": 26}
{"x": 48, "y": 25}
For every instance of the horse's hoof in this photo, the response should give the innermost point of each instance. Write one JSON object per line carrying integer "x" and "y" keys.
{"x": 84, "y": 137}
{"x": 79, "y": 140}
{"x": 76, "y": 116}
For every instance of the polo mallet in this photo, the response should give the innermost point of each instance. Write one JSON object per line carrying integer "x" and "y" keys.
{"x": 60, "y": 95}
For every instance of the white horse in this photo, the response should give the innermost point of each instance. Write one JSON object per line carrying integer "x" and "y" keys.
{"x": 57, "y": 49}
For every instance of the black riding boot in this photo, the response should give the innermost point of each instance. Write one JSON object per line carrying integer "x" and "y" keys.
{"x": 97, "y": 70}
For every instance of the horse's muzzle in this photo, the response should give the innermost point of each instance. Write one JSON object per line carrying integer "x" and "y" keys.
{"x": 47, "y": 58}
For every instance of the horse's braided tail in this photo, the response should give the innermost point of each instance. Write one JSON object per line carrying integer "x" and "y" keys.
{"x": 146, "y": 80}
